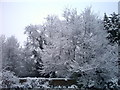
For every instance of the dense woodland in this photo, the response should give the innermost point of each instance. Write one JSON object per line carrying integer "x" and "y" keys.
{"x": 81, "y": 46}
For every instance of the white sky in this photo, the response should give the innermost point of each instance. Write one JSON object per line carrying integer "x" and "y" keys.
{"x": 16, "y": 14}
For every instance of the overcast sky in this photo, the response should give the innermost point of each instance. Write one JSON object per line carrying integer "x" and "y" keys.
{"x": 14, "y": 16}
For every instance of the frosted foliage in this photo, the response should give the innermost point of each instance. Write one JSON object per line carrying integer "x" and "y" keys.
{"x": 76, "y": 43}
{"x": 11, "y": 54}
{"x": 8, "y": 79}
{"x": 75, "y": 47}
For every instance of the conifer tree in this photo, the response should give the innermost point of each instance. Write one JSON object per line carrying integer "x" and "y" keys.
{"x": 112, "y": 26}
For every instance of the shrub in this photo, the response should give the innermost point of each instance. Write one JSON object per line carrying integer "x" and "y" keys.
{"x": 9, "y": 80}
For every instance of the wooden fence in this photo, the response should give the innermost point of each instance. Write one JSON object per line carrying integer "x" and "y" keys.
{"x": 52, "y": 81}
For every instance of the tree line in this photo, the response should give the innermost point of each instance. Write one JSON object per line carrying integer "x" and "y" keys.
{"x": 80, "y": 43}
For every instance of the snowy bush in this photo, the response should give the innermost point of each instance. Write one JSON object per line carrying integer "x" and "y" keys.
{"x": 8, "y": 79}
{"x": 36, "y": 83}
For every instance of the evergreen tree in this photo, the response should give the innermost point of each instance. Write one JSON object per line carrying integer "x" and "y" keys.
{"x": 35, "y": 42}
{"x": 10, "y": 54}
{"x": 38, "y": 63}
{"x": 112, "y": 26}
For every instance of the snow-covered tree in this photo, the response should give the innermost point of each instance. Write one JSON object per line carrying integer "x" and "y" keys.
{"x": 85, "y": 36}
{"x": 10, "y": 54}
{"x": 65, "y": 46}
{"x": 2, "y": 43}
{"x": 91, "y": 47}
{"x": 56, "y": 38}
{"x": 112, "y": 26}
{"x": 35, "y": 43}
